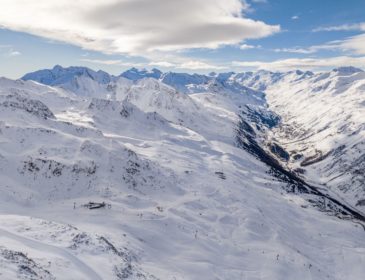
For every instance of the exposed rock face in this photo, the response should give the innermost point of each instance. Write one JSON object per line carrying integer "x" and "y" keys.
{"x": 34, "y": 107}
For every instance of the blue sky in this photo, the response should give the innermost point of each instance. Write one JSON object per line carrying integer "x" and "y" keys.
{"x": 185, "y": 36}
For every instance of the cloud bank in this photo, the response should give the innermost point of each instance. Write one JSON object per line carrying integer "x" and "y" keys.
{"x": 343, "y": 27}
{"x": 303, "y": 63}
{"x": 135, "y": 27}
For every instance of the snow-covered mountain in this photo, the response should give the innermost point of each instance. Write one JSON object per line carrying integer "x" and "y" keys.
{"x": 320, "y": 133}
{"x": 203, "y": 177}
{"x": 59, "y": 75}
{"x": 136, "y": 74}
{"x": 322, "y": 126}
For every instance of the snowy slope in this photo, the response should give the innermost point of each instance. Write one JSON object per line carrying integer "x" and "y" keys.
{"x": 187, "y": 201}
{"x": 342, "y": 174}
{"x": 323, "y": 128}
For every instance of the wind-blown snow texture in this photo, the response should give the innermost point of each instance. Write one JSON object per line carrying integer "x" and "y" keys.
{"x": 226, "y": 176}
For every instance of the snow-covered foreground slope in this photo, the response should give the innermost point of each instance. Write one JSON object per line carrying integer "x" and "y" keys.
{"x": 184, "y": 199}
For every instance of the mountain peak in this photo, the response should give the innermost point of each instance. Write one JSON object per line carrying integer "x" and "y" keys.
{"x": 136, "y": 74}
{"x": 347, "y": 70}
{"x": 58, "y": 67}
{"x": 59, "y": 75}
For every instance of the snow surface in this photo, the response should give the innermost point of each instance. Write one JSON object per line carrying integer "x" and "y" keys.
{"x": 323, "y": 128}
{"x": 185, "y": 201}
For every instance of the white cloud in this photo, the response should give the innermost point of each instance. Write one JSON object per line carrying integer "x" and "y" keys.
{"x": 183, "y": 63}
{"x": 248, "y": 47}
{"x": 339, "y": 45}
{"x": 295, "y": 17}
{"x": 199, "y": 65}
{"x": 14, "y": 53}
{"x": 132, "y": 64}
{"x": 162, "y": 64}
{"x": 297, "y": 50}
{"x": 259, "y": 1}
{"x": 180, "y": 64}
{"x": 9, "y": 51}
{"x": 355, "y": 44}
{"x": 344, "y": 27}
{"x": 135, "y": 27}
{"x": 303, "y": 63}
{"x": 102, "y": 61}
{"x": 113, "y": 62}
